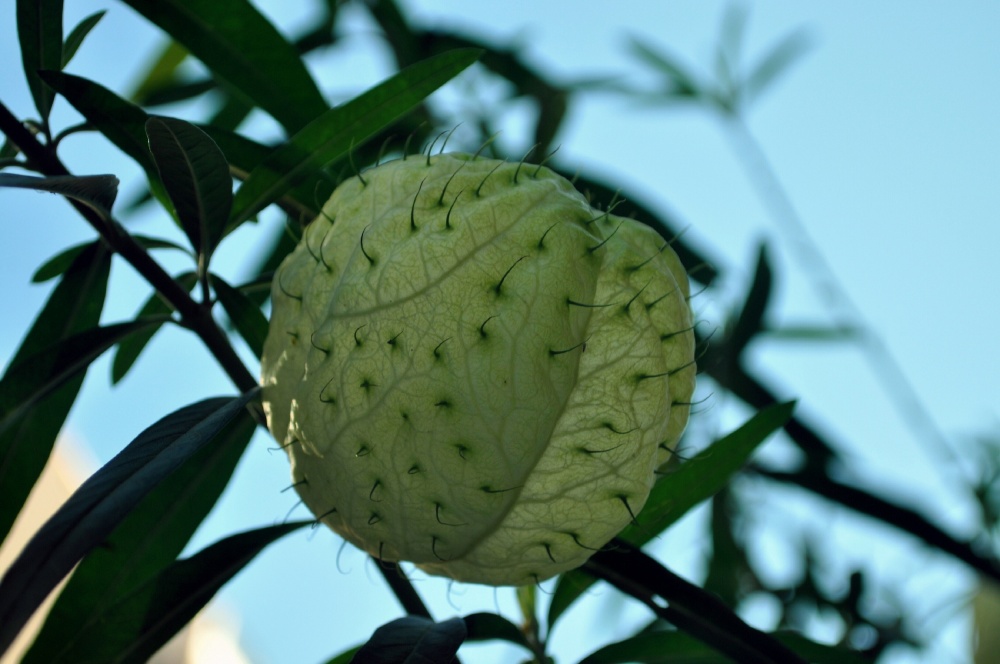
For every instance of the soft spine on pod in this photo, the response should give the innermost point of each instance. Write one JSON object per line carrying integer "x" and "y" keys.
{"x": 474, "y": 370}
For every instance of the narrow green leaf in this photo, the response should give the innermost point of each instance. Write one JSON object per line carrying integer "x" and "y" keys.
{"x": 238, "y": 44}
{"x": 95, "y": 191}
{"x": 413, "y": 640}
{"x": 675, "y": 494}
{"x": 246, "y": 316}
{"x": 333, "y": 134}
{"x": 196, "y": 176}
{"x": 78, "y": 34}
{"x": 776, "y": 62}
{"x": 59, "y": 263}
{"x": 79, "y": 624}
{"x": 103, "y": 501}
{"x": 161, "y": 74}
{"x": 490, "y": 626}
{"x": 132, "y": 346}
{"x": 29, "y": 381}
{"x": 39, "y": 29}
{"x": 74, "y": 305}
{"x": 704, "y": 475}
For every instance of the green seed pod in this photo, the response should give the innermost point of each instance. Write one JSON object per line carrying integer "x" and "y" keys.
{"x": 474, "y": 370}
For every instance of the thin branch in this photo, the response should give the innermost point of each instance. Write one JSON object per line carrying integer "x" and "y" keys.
{"x": 881, "y": 509}
{"x": 693, "y": 609}
{"x": 824, "y": 280}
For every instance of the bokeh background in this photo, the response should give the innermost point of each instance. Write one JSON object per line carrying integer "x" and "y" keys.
{"x": 883, "y": 136}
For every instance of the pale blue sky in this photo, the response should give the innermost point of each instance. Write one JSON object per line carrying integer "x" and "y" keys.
{"x": 886, "y": 138}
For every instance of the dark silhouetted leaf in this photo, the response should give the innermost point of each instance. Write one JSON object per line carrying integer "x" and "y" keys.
{"x": 77, "y": 35}
{"x": 130, "y": 347}
{"x": 59, "y": 263}
{"x": 240, "y": 45}
{"x": 85, "y": 620}
{"x": 413, "y": 640}
{"x": 196, "y": 176}
{"x": 39, "y": 29}
{"x": 334, "y": 133}
{"x": 168, "y": 602}
{"x": 30, "y": 380}
{"x": 674, "y": 495}
{"x": 96, "y": 191}
{"x": 750, "y": 321}
{"x": 75, "y": 305}
{"x": 103, "y": 501}
{"x": 142, "y": 621}
{"x": 246, "y": 316}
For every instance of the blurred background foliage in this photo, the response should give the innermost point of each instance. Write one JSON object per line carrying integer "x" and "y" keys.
{"x": 289, "y": 166}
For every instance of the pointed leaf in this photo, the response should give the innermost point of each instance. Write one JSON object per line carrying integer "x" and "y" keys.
{"x": 80, "y": 624}
{"x": 96, "y": 191}
{"x": 78, "y": 34}
{"x": 674, "y": 495}
{"x": 775, "y": 62}
{"x": 161, "y": 74}
{"x": 59, "y": 263}
{"x": 413, "y": 640}
{"x": 238, "y": 44}
{"x": 490, "y": 626}
{"x": 333, "y": 134}
{"x": 703, "y": 476}
{"x": 103, "y": 501}
{"x": 39, "y": 29}
{"x": 31, "y": 380}
{"x": 246, "y": 316}
{"x": 750, "y": 320}
{"x": 196, "y": 176}
{"x": 132, "y": 346}
{"x": 74, "y": 305}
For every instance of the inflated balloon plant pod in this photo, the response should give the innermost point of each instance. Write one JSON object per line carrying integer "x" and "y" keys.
{"x": 474, "y": 370}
